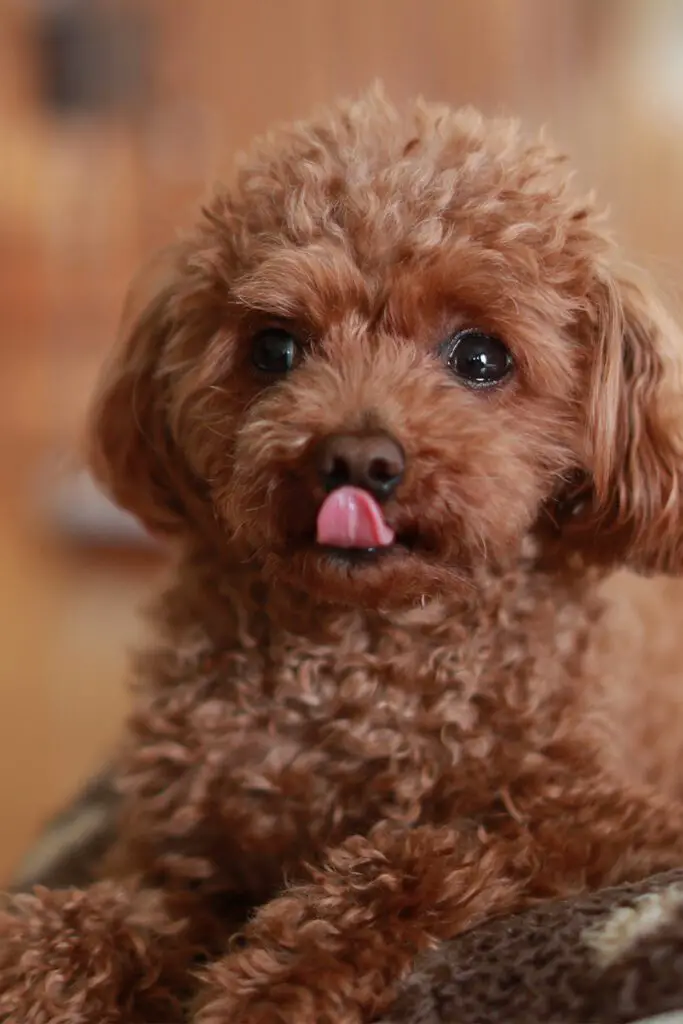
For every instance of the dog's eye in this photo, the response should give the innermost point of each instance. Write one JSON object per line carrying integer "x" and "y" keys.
{"x": 478, "y": 358}
{"x": 275, "y": 350}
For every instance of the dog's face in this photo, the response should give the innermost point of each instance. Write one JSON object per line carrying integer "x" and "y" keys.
{"x": 386, "y": 357}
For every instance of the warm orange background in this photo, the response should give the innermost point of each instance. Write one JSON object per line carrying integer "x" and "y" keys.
{"x": 84, "y": 200}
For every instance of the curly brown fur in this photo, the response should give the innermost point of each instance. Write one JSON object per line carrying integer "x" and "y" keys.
{"x": 110, "y": 953}
{"x": 407, "y": 742}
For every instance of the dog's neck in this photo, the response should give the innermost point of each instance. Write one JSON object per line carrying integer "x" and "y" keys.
{"x": 229, "y": 600}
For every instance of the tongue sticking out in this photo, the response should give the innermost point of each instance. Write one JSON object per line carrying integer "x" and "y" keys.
{"x": 351, "y": 518}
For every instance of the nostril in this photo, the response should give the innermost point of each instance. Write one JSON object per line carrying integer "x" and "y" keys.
{"x": 339, "y": 473}
{"x": 382, "y": 472}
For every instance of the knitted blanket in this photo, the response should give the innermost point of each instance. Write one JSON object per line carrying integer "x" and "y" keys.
{"x": 605, "y": 958}
{"x": 609, "y": 957}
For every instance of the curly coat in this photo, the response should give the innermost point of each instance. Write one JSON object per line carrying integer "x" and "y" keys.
{"x": 409, "y": 745}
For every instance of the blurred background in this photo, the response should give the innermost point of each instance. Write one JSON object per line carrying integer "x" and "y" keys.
{"x": 114, "y": 116}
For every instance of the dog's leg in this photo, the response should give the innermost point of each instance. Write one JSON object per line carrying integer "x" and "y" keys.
{"x": 112, "y": 952}
{"x": 332, "y": 951}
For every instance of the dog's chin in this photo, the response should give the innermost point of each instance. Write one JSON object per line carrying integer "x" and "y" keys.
{"x": 390, "y": 577}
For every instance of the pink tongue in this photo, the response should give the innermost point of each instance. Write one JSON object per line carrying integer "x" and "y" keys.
{"x": 351, "y": 518}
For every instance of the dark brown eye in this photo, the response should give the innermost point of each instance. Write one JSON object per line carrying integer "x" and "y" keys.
{"x": 477, "y": 358}
{"x": 275, "y": 350}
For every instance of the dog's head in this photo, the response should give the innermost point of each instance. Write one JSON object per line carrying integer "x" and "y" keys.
{"x": 393, "y": 349}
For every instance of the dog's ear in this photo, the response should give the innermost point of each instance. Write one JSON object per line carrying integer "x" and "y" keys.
{"x": 628, "y": 506}
{"x": 131, "y": 450}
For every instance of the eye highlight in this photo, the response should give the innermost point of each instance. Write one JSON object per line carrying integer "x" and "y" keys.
{"x": 275, "y": 350}
{"x": 477, "y": 358}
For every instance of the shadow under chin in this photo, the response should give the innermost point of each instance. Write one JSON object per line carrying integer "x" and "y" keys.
{"x": 388, "y": 579}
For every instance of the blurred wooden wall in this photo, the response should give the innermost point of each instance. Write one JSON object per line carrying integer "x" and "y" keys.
{"x": 84, "y": 199}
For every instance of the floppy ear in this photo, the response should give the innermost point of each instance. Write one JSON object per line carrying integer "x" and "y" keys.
{"x": 131, "y": 450}
{"x": 629, "y": 506}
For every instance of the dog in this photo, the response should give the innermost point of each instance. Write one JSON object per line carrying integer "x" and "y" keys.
{"x": 401, "y": 412}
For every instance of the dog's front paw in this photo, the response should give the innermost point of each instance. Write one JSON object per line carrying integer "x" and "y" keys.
{"x": 260, "y": 986}
{"x": 326, "y": 952}
{"x": 107, "y": 953}
{"x": 296, "y": 969}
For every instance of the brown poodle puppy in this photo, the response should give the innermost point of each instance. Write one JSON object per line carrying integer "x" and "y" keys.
{"x": 403, "y": 414}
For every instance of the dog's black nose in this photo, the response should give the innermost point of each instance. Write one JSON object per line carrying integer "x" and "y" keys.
{"x": 374, "y": 462}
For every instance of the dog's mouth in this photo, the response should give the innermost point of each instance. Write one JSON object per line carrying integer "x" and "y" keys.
{"x": 404, "y": 544}
{"x": 351, "y": 528}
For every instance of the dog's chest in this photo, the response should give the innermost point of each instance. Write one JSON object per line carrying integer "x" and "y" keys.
{"x": 348, "y": 727}
{"x": 281, "y": 745}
